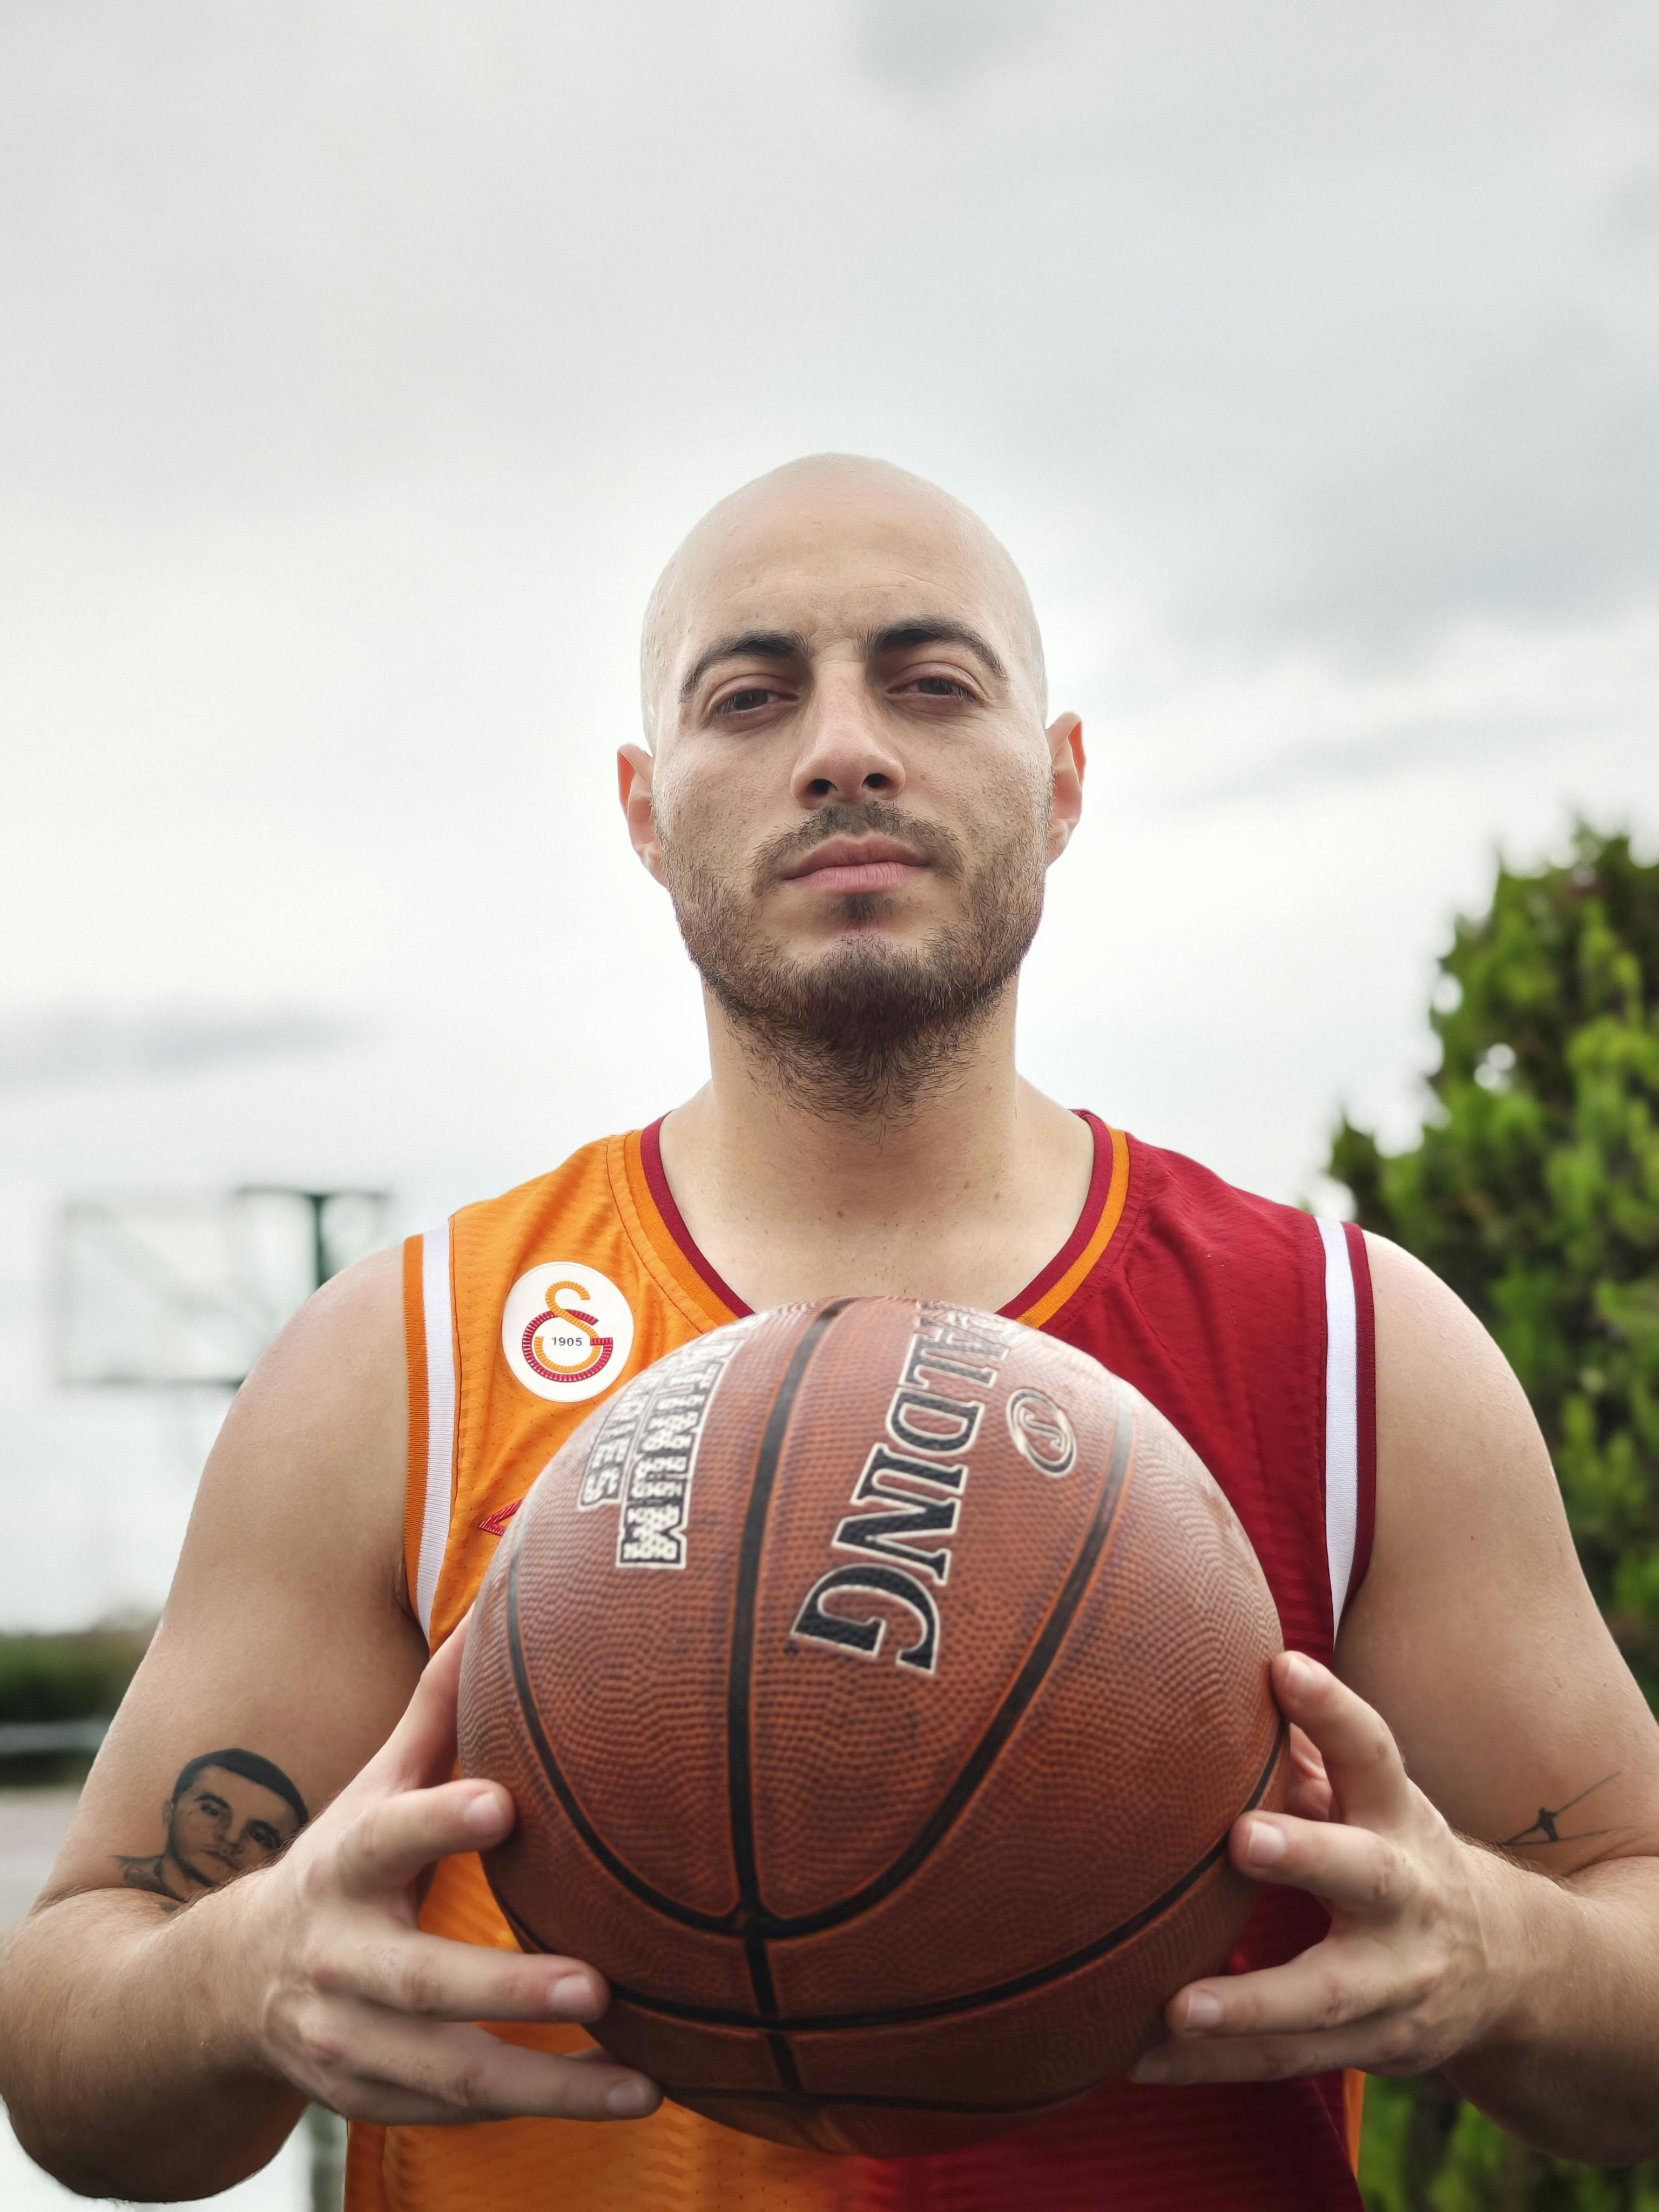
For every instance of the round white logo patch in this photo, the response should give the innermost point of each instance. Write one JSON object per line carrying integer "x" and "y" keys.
{"x": 567, "y": 1331}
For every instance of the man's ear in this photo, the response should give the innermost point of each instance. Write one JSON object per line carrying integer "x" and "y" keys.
{"x": 634, "y": 771}
{"x": 1067, "y": 756}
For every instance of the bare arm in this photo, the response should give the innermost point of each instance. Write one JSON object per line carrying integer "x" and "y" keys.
{"x": 1474, "y": 1633}
{"x": 1482, "y": 1704}
{"x": 1480, "y": 1644}
{"x": 230, "y": 1929}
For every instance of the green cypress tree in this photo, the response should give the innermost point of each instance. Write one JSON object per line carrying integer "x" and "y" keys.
{"x": 1534, "y": 1191}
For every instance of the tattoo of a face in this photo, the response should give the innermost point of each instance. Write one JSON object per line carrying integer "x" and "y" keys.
{"x": 1543, "y": 1832}
{"x": 230, "y": 1811}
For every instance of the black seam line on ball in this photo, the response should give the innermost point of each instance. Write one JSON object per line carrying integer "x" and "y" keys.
{"x": 810, "y": 2100}
{"x": 751, "y": 1914}
{"x": 523, "y": 1935}
{"x": 788, "y": 2072}
{"x": 740, "y": 1766}
{"x": 973, "y": 2000}
{"x": 760, "y": 1978}
{"x": 740, "y": 1780}
{"x": 718, "y": 1923}
{"x": 1002, "y": 1723}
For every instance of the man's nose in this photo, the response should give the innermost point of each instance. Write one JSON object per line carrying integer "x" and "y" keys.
{"x": 846, "y": 755}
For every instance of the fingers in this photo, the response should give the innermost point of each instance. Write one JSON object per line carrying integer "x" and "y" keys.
{"x": 1361, "y": 1758}
{"x": 1276, "y": 2058}
{"x": 1350, "y": 2001}
{"x": 1337, "y": 1983}
{"x": 378, "y": 2019}
{"x": 393, "y": 1838}
{"x": 374, "y": 2065}
{"x": 1353, "y": 1868}
{"x": 1308, "y": 1789}
{"x": 1372, "y": 1994}
{"x": 422, "y": 1747}
{"x": 427, "y": 1976}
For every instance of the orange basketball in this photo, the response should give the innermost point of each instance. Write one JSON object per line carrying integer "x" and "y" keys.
{"x": 876, "y": 1682}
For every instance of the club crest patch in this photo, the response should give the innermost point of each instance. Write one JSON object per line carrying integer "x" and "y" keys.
{"x": 567, "y": 1331}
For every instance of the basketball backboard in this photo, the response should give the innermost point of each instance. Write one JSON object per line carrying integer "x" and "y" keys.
{"x": 190, "y": 1287}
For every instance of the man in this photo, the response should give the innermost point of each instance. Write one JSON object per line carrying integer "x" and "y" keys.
{"x": 229, "y": 1811}
{"x": 851, "y": 796}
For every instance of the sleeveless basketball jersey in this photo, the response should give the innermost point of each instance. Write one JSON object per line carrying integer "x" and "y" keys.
{"x": 1249, "y": 1324}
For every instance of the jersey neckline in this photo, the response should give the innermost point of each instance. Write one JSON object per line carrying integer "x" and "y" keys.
{"x": 1042, "y": 1297}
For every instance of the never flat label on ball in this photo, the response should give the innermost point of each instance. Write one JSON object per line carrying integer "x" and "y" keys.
{"x": 646, "y": 1452}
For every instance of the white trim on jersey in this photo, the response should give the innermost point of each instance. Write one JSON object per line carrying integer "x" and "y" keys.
{"x": 1341, "y": 1415}
{"x": 440, "y": 1420}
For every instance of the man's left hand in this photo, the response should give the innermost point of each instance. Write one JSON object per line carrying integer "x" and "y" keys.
{"x": 1422, "y": 1922}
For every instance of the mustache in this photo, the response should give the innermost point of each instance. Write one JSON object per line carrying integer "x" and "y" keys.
{"x": 930, "y": 841}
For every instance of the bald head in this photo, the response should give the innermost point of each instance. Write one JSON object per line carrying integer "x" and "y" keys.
{"x": 827, "y": 530}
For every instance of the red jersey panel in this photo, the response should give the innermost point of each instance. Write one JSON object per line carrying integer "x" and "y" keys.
{"x": 1226, "y": 1310}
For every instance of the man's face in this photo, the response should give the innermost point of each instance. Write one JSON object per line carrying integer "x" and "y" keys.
{"x": 855, "y": 798}
{"x": 221, "y": 1825}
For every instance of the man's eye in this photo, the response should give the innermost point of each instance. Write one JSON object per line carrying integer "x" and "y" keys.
{"x": 745, "y": 702}
{"x": 267, "y": 1839}
{"x": 940, "y": 687}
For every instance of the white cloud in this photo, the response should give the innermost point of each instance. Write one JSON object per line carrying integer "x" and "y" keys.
{"x": 362, "y": 365}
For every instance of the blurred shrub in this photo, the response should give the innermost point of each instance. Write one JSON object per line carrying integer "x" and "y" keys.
{"x": 1534, "y": 1191}
{"x": 1425, "y": 2150}
{"x": 72, "y": 1677}
{"x": 68, "y": 1677}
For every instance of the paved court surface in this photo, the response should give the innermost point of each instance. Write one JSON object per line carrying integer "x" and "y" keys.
{"x": 32, "y": 1825}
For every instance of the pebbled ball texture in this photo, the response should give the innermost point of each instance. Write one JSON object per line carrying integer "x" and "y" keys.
{"x": 877, "y": 1681}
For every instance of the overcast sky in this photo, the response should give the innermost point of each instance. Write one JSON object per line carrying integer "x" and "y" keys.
{"x": 361, "y": 364}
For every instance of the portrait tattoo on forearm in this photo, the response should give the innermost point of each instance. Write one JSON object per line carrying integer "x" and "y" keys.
{"x": 230, "y": 1811}
{"x": 1544, "y": 1829}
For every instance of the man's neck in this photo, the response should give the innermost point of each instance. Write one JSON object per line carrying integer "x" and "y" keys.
{"x": 966, "y": 1195}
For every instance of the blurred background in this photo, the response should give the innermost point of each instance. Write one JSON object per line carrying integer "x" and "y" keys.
{"x": 361, "y": 364}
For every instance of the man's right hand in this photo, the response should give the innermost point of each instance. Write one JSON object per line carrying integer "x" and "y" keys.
{"x": 154, "y": 2052}
{"x": 360, "y": 2011}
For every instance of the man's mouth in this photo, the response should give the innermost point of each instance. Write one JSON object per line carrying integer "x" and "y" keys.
{"x": 857, "y": 864}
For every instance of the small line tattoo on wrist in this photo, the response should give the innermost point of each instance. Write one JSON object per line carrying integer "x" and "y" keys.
{"x": 1538, "y": 1834}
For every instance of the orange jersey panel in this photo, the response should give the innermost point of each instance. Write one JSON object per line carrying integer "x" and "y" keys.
{"x": 513, "y": 1391}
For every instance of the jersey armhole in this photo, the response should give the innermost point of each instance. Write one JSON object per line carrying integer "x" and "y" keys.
{"x": 429, "y": 1490}
{"x": 1350, "y": 1468}
{"x": 415, "y": 1359}
{"x": 1365, "y": 1397}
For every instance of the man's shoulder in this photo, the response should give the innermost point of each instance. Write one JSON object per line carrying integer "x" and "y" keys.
{"x": 587, "y": 1176}
{"x": 1201, "y": 1260}
{"x": 1179, "y": 1200}
{"x": 587, "y": 1237}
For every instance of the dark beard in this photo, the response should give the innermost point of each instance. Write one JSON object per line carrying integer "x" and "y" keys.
{"x": 866, "y": 1032}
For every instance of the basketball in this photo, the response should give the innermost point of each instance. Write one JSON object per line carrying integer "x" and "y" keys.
{"x": 876, "y": 1682}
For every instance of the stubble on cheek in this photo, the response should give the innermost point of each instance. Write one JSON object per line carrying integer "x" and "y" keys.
{"x": 868, "y": 1021}
{"x": 720, "y": 885}
{"x": 715, "y": 884}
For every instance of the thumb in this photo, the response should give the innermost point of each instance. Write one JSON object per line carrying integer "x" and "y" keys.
{"x": 1361, "y": 1758}
{"x": 1308, "y": 1794}
{"x": 420, "y": 1750}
